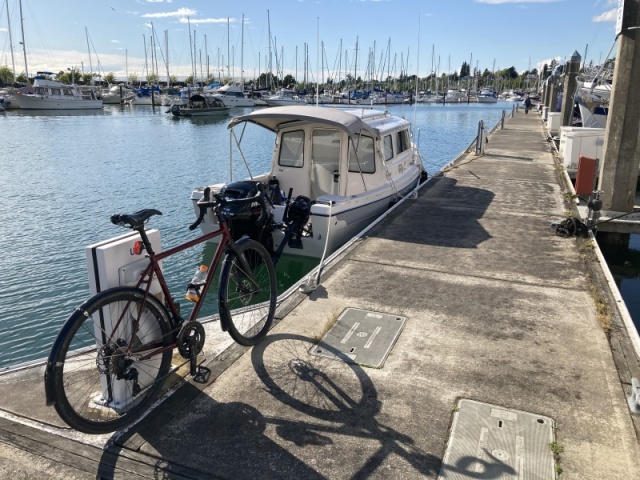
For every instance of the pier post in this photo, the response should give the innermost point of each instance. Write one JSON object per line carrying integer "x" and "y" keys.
{"x": 618, "y": 174}
{"x": 553, "y": 94}
{"x": 619, "y": 168}
{"x": 570, "y": 85}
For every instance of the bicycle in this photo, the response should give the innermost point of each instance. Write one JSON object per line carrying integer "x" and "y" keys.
{"x": 112, "y": 355}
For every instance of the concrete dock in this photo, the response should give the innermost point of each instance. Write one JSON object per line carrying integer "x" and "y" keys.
{"x": 498, "y": 310}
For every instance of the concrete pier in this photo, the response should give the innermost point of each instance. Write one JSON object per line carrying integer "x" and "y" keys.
{"x": 498, "y": 310}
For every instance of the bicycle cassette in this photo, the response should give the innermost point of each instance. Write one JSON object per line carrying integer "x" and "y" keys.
{"x": 191, "y": 333}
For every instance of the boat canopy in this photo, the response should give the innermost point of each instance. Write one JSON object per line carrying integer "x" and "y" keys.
{"x": 276, "y": 118}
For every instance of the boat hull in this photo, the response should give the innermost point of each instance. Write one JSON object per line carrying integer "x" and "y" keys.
{"x": 337, "y": 218}
{"x": 36, "y": 102}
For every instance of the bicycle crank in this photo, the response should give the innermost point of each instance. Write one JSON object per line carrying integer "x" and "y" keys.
{"x": 190, "y": 339}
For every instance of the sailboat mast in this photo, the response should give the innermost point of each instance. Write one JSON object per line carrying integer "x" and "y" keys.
{"x": 13, "y": 61}
{"x": 24, "y": 45}
{"x": 270, "y": 61}
{"x": 86, "y": 33}
{"x": 242, "y": 54}
{"x": 228, "y": 52}
{"x": 166, "y": 47}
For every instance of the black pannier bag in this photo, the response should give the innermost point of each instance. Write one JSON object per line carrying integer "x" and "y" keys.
{"x": 243, "y": 218}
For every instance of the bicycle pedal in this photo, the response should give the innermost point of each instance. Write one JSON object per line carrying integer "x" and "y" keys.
{"x": 202, "y": 375}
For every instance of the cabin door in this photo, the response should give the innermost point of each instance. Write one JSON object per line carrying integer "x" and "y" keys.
{"x": 325, "y": 162}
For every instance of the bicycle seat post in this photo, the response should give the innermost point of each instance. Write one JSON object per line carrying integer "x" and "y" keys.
{"x": 145, "y": 240}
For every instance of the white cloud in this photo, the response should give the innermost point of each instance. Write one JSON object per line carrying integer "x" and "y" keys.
{"x": 183, "y": 12}
{"x": 207, "y": 20}
{"x": 608, "y": 16}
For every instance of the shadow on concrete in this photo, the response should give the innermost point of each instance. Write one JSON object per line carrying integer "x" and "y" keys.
{"x": 339, "y": 400}
{"x": 447, "y": 215}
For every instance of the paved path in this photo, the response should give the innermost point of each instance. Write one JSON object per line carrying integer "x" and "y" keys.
{"x": 499, "y": 310}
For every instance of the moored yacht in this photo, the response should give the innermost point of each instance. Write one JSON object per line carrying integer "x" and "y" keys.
{"x": 49, "y": 94}
{"x": 333, "y": 171}
{"x": 283, "y": 98}
{"x": 232, "y": 95}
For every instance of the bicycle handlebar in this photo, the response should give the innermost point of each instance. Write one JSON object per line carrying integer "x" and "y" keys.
{"x": 220, "y": 202}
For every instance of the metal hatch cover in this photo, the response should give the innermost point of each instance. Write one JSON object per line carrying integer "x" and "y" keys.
{"x": 492, "y": 442}
{"x": 363, "y": 336}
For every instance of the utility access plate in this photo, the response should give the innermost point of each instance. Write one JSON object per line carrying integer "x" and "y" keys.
{"x": 363, "y": 336}
{"x": 492, "y": 442}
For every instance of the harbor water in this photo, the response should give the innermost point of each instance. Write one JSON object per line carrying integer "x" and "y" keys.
{"x": 63, "y": 174}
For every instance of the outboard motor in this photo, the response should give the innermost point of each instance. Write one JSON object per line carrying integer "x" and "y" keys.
{"x": 243, "y": 219}
{"x": 296, "y": 217}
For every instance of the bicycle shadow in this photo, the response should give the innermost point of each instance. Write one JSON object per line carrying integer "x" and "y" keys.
{"x": 204, "y": 439}
{"x": 339, "y": 399}
{"x": 323, "y": 425}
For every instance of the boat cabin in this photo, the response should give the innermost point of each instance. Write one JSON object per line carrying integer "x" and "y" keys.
{"x": 322, "y": 152}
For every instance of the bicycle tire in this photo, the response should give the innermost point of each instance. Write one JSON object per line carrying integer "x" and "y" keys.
{"x": 98, "y": 384}
{"x": 247, "y": 300}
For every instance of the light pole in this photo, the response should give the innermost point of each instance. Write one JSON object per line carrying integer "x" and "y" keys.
{"x": 72, "y": 78}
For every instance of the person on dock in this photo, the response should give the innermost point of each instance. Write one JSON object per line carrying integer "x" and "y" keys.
{"x": 527, "y": 104}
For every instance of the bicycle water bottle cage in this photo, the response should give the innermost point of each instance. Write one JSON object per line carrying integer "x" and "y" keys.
{"x": 134, "y": 220}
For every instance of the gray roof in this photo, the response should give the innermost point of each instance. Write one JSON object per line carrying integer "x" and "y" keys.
{"x": 276, "y": 118}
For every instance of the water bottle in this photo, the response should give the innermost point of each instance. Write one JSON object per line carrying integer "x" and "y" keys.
{"x": 193, "y": 289}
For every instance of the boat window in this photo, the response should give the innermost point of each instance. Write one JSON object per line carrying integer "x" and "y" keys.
{"x": 55, "y": 91}
{"x": 292, "y": 149}
{"x": 40, "y": 91}
{"x": 403, "y": 140}
{"x": 325, "y": 158}
{"x": 364, "y": 161}
{"x": 388, "y": 148}
{"x": 67, "y": 91}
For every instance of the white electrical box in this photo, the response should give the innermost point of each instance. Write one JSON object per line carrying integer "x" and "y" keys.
{"x": 114, "y": 263}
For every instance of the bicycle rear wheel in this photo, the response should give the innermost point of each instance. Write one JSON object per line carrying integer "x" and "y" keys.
{"x": 247, "y": 295}
{"x": 104, "y": 380}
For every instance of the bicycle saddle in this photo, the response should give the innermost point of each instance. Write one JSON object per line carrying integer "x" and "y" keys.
{"x": 134, "y": 220}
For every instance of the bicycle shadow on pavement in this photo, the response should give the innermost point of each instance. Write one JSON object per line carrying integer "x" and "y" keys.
{"x": 339, "y": 404}
{"x": 319, "y": 402}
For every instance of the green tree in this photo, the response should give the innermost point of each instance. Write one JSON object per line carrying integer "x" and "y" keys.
{"x": 288, "y": 80}
{"x": 152, "y": 79}
{"x": 22, "y": 78}
{"x": 465, "y": 70}
{"x": 6, "y": 74}
{"x": 133, "y": 78}
{"x": 109, "y": 78}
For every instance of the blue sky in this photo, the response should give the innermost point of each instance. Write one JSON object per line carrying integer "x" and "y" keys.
{"x": 519, "y": 33}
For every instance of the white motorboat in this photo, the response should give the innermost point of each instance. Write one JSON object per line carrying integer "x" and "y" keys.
{"x": 339, "y": 168}
{"x": 49, "y": 94}
{"x": 593, "y": 102}
{"x": 283, "y": 98}
{"x": 117, "y": 94}
{"x": 487, "y": 96}
{"x": 232, "y": 95}
{"x": 200, "y": 106}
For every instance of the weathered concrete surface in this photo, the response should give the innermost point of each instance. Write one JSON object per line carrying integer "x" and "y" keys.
{"x": 499, "y": 310}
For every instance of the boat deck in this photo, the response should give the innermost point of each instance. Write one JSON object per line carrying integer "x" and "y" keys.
{"x": 497, "y": 309}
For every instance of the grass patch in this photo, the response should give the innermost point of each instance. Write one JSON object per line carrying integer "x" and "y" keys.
{"x": 330, "y": 322}
{"x": 556, "y": 449}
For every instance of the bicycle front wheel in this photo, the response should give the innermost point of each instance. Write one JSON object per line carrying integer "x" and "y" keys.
{"x": 247, "y": 295}
{"x": 110, "y": 359}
